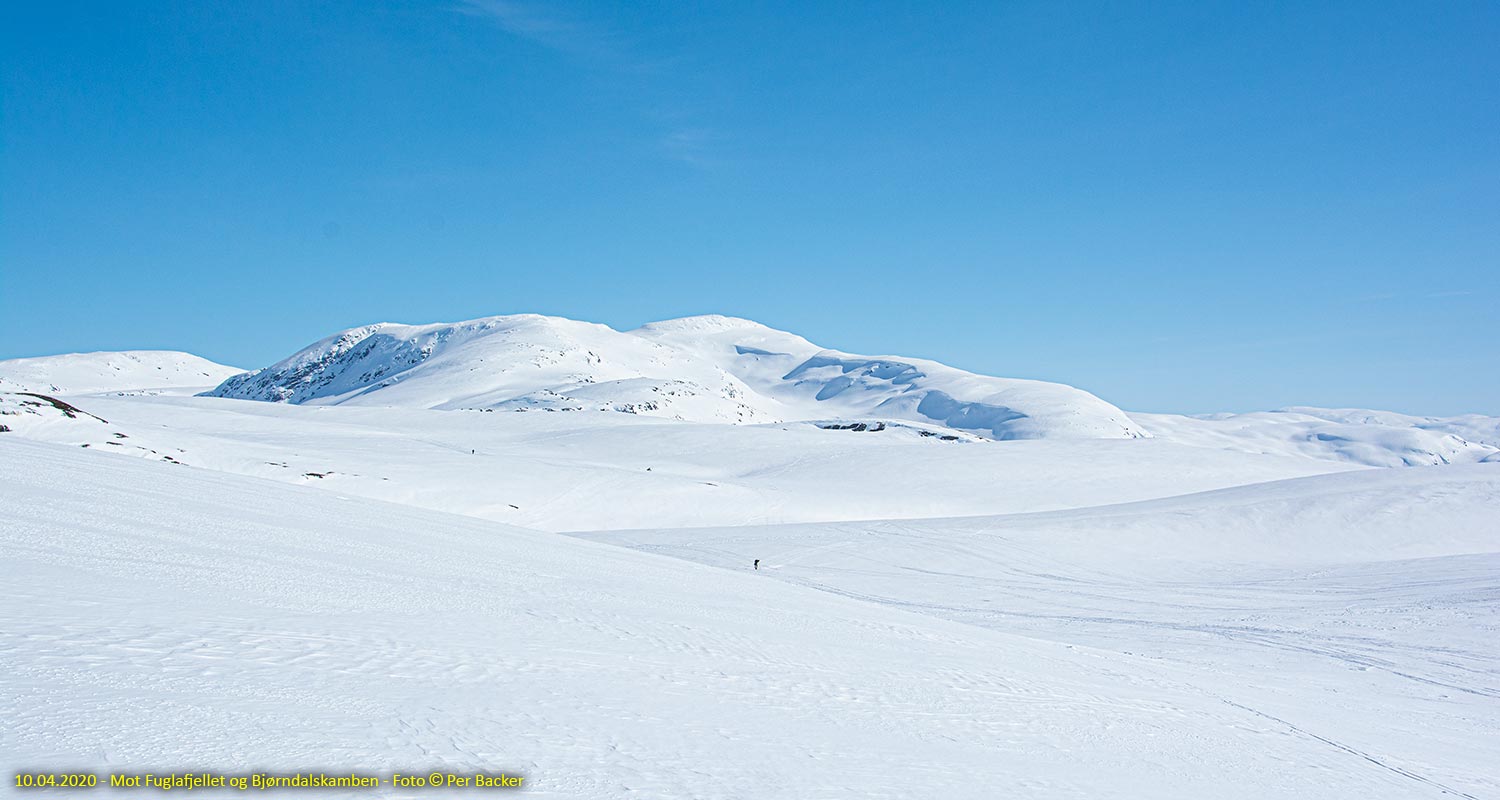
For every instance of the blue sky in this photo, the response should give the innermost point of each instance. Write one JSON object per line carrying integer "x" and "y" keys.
{"x": 1189, "y": 206}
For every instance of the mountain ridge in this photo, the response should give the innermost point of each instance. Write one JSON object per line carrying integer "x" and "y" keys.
{"x": 112, "y": 371}
{"x": 703, "y": 368}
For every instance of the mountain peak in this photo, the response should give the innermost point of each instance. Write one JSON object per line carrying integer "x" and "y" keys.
{"x": 709, "y": 368}
{"x": 704, "y": 323}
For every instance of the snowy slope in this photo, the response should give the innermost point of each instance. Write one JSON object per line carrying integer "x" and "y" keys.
{"x": 1475, "y": 428}
{"x": 1359, "y": 436}
{"x": 829, "y": 383}
{"x": 705, "y": 369}
{"x": 590, "y": 471}
{"x": 1358, "y": 516}
{"x": 517, "y": 362}
{"x": 1329, "y": 635}
{"x": 124, "y": 371}
{"x": 154, "y": 613}
{"x": 587, "y": 471}
{"x": 1360, "y": 609}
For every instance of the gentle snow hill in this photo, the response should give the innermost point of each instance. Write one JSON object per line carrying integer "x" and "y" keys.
{"x": 1359, "y": 609}
{"x": 1359, "y": 436}
{"x": 1476, "y": 428}
{"x": 590, "y": 471}
{"x": 1359, "y": 516}
{"x": 703, "y": 369}
{"x": 156, "y": 371}
{"x": 154, "y": 613}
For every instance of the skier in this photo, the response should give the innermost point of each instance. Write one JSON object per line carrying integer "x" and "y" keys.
{"x": 757, "y": 563}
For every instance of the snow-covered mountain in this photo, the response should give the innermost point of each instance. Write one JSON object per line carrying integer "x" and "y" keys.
{"x": 1232, "y": 607}
{"x": 1360, "y": 436}
{"x": 704, "y": 369}
{"x": 124, "y": 371}
{"x": 709, "y": 369}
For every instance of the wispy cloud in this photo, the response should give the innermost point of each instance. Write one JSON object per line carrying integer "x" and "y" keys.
{"x": 547, "y": 27}
{"x": 648, "y": 77}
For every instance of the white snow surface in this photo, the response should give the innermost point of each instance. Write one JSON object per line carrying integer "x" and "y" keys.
{"x": 371, "y": 576}
{"x": 1356, "y": 610}
{"x": 586, "y": 471}
{"x": 703, "y": 369}
{"x": 1360, "y": 436}
{"x": 160, "y": 616}
{"x": 153, "y": 371}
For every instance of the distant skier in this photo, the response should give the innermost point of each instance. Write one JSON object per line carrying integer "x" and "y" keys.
{"x": 757, "y": 563}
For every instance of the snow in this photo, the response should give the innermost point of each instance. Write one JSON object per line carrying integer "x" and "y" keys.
{"x": 156, "y": 371}
{"x": 1359, "y": 436}
{"x": 705, "y": 369}
{"x": 969, "y": 586}
{"x": 586, "y": 471}
{"x": 1357, "y": 609}
{"x": 157, "y": 613}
